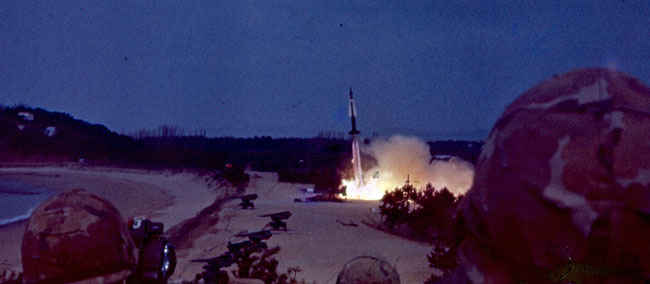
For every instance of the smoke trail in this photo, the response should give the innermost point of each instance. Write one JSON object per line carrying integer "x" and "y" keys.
{"x": 356, "y": 163}
{"x": 401, "y": 157}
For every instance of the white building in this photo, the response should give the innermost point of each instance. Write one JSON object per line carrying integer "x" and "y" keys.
{"x": 26, "y": 115}
{"x": 50, "y": 131}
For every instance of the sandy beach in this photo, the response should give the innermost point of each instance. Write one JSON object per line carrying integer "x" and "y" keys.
{"x": 316, "y": 240}
{"x": 161, "y": 196}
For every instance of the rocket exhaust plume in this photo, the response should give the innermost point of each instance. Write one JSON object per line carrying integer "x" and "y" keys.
{"x": 356, "y": 153}
{"x": 356, "y": 162}
{"x": 400, "y": 158}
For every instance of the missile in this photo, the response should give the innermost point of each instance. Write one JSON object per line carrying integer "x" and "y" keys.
{"x": 353, "y": 116}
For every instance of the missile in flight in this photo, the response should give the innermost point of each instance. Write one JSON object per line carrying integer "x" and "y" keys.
{"x": 353, "y": 116}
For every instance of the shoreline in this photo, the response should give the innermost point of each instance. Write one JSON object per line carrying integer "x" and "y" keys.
{"x": 20, "y": 198}
{"x": 17, "y": 219}
{"x": 162, "y": 196}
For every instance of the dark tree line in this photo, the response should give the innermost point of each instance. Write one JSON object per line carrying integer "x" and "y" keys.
{"x": 467, "y": 150}
{"x": 296, "y": 159}
{"x": 321, "y": 160}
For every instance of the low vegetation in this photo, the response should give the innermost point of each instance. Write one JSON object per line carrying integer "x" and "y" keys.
{"x": 253, "y": 263}
{"x": 262, "y": 265}
{"x": 428, "y": 215}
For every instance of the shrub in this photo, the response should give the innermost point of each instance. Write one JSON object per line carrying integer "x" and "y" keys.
{"x": 236, "y": 176}
{"x": 262, "y": 265}
{"x": 429, "y": 215}
{"x": 395, "y": 207}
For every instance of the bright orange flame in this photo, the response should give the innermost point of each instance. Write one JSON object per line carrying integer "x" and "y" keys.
{"x": 401, "y": 158}
{"x": 369, "y": 191}
{"x": 374, "y": 189}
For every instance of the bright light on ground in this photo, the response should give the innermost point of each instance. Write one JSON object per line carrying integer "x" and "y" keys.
{"x": 373, "y": 190}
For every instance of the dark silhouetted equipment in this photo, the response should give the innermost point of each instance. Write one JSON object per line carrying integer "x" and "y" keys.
{"x": 350, "y": 224}
{"x": 277, "y": 220}
{"x": 157, "y": 260}
{"x": 246, "y": 201}
{"x": 257, "y": 237}
{"x": 238, "y": 249}
{"x": 213, "y": 272}
{"x": 353, "y": 116}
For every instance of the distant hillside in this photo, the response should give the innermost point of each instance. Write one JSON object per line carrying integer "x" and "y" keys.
{"x": 36, "y": 135}
{"x": 467, "y": 150}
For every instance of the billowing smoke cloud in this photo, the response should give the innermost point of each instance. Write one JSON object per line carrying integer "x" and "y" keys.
{"x": 401, "y": 157}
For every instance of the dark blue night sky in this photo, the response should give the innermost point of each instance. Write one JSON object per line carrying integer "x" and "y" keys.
{"x": 435, "y": 69}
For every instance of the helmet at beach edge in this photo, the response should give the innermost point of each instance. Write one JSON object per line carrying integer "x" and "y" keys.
{"x": 77, "y": 237}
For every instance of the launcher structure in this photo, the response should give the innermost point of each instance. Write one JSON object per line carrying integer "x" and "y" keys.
{"x": 356, "y": 154}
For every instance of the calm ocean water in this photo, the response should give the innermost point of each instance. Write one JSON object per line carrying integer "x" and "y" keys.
{"x": 17, "y": 200}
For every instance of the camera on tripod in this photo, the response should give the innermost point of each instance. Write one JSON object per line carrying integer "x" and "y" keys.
{"x": 157, "y": 257}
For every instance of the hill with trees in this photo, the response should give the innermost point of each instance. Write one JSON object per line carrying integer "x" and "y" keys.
{"x": 36, "y": 135}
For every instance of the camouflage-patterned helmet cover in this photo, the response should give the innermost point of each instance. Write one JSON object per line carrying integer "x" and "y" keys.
{"x": 77, "y": 236}
{"x": 563, "y": 178}
{"x": 368, "y": 270}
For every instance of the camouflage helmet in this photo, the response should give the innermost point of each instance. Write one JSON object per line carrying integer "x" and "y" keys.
{"x": 77, "y": 236}
{"x": 368, "y": 270}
